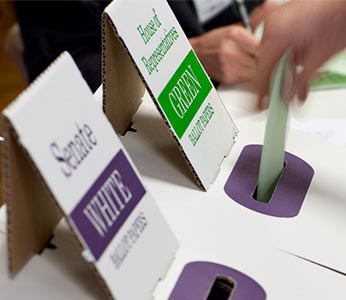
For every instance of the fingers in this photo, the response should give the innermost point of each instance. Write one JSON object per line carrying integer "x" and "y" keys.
{"x": 227, "y": 62}
{"x": 237, "y": 66}
{"x": 232, "y": 54}
{"x": 268, "y": 58}
{"x": 311, "y": 30}
{"x": 272, "y": 47}
{"x": 235, "y": 74}
{"x": 227, "y": 54}
{"x": 238, "y": 55}
{"x": 225, "y": 72}
{"x": 261, "y": 12}
{"x": 243, "y": 38}
{"x": 309, "y": 67}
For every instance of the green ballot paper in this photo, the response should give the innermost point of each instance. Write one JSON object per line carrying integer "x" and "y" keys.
{"x": 273, "y": 151}
{"x": 332, "y": 74}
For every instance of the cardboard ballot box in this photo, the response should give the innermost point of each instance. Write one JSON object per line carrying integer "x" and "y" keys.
{"x": 199, "y": 233}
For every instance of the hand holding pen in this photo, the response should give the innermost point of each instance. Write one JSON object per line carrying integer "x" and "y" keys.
{"x": 244, "y": 14}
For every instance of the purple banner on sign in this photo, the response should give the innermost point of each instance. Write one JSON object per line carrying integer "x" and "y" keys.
{"x": 107, "y": 204}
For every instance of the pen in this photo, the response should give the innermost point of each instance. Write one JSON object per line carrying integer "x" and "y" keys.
{"x": 244, "y": 14}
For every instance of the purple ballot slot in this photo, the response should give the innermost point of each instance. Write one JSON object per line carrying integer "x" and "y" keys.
{"x": 210, "y": 281}
{"x": 289, "y": 194}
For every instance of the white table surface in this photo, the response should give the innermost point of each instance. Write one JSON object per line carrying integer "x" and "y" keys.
{"x": 211, "y": 226}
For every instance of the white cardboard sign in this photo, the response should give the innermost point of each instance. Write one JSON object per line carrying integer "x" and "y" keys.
{"x": 178, "y": 84}
{"x": 60, "y": 126}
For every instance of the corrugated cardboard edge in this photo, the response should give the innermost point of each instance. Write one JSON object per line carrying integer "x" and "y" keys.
{"x": 122, "y": 87}
{"x": 31, "y": 213}
{"x": 110, "y": 33}
{"x": 2, "y": 201}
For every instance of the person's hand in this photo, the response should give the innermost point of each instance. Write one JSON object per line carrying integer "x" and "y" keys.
{"x": 261, "y": 12}
{"x": 312, "y": 30}
{"x": 227, "y": 53}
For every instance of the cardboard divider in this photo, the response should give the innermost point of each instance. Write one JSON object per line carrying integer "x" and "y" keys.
{"x": 1, "y": 197}
{"x": 204, "y": 280}
{"x": 162, "y": 61}
{"x": 123, "y": 88}
{"x": 288, "y": 196}
{"x": 1, "y": 174}
{"x": 31, "y": 212}
{"x": 88, "y": 178}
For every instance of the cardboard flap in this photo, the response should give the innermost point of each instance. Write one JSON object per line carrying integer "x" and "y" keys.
{"x": 31, "y": 213}
{"x": 83, "y": 164}
{"x": 122, "y": 85}
{"x": 1, "y": 180}
{"x": 154, "y": 42}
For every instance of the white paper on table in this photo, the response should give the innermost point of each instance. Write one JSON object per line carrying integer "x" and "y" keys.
{"x": 331, "y": 130}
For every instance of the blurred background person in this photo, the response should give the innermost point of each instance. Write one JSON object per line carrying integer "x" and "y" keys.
{"x": 216, "y": 30}
{"x": 226, "y": 49}
{"x": 51, "y": 27}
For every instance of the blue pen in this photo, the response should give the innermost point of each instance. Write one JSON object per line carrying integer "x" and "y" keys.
{"x": 244, "y": 14}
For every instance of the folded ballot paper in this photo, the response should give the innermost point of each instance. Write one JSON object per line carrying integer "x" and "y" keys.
{"x": 331, "y": 75}
{"x": 273, "y": 152}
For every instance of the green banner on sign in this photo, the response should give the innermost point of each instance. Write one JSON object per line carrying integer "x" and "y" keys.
{"x": 184, "y": 94}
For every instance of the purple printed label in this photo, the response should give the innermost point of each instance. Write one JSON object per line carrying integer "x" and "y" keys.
{"x": 107, "y": 204}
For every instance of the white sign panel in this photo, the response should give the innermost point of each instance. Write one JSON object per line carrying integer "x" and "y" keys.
{"x": 60, "y": 125}
{"x": 181, "y": 88}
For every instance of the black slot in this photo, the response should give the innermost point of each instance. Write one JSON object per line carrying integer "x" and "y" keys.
{"x": 222, "y": 289}
{"x": 254, "y": 195}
